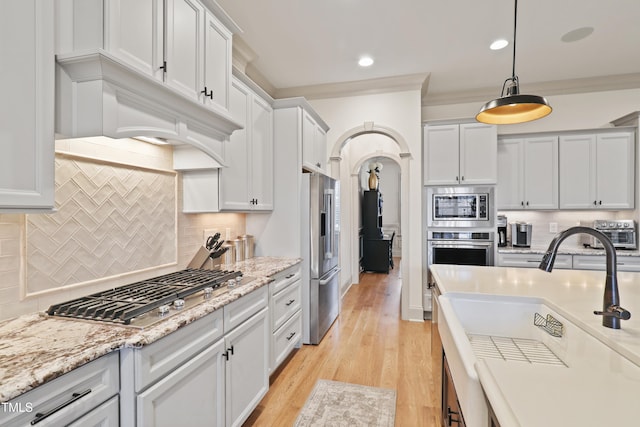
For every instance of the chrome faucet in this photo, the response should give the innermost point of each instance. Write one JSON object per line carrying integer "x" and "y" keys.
{"x": 611, "y": 312}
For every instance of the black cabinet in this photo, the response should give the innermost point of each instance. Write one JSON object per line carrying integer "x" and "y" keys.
{"x": 377, "y": 255}
{"x": 372, "y": 214}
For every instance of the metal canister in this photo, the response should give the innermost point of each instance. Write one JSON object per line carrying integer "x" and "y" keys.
{"x": 238, "y": 245}
{"x": 248, "y": 245}
{"x": 229, "y": 257}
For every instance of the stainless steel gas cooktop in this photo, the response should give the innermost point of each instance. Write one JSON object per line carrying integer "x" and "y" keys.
{"x": 145, "y": 303}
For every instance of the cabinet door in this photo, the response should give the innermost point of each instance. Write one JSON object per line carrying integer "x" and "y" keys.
{"x": 105, "y": 415}
{"x": 185, "y": 47}
{"x": 320, "y": 145}
{"x": 247, "y": 368}
{"x": 308, "y": 142}
{"x": 478, "y": 154}
{"x": 577, "y": 171}
{"x": 510, "y": 185}
{"x": 261, "y": 170}
{"x": 134, "y": 34}
{"x": 235, "y": 179}
{"x": 615, "y": 157}
{"x": 217, "y": 71}
{"x": 541, "y": 173}
{"x": 441, "y": 155}
{"x": 27, "y": 107}
{"x": 193, "y": 393}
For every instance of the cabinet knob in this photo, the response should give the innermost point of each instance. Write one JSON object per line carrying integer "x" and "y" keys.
{"x": 462, "y": 178}
{"x": 164, "y": 66}
{"x": 595, "y": 202}
{"x": 522, "y": 203}
{"x": 600, "y": 202}
{"x": 527, "y": 203}
{"x": 207, "y": 93}
{"x": 457, "y": 178}
{"x": 318, "y": 164}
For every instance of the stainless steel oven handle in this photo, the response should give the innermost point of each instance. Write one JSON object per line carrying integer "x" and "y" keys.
{"x": 328, "y": 279}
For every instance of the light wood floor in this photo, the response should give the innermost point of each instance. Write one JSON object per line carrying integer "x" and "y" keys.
{"x": 368, "y": 344}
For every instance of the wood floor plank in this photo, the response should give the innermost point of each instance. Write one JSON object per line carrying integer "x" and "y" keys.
{"x": 368, "y": 344}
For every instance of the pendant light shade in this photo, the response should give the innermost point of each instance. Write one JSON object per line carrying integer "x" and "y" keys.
{"x": 512, "y": 107}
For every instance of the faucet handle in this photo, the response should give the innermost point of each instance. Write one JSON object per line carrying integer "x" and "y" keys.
{"x": 614, "y": 311}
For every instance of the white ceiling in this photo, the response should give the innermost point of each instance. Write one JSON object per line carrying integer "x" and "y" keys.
{"x": 302, "y": 43}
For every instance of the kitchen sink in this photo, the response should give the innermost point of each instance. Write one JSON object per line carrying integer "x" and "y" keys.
{"x": 480, "y": 326}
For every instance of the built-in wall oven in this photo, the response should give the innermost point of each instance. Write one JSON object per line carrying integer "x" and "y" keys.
{"x": 460, "y": 247}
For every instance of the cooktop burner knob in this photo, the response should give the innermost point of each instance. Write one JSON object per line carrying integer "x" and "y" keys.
{"x": 231, "y": 283}
{"x": 163, "y": 310}
{"x": 207, "y": 292}
{"x": 238, "y": 280}
{"x": 178, "y": 304}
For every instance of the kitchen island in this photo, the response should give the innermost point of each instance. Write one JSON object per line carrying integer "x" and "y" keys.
{"x": 602, "y": 390}
{"x": 37, "y": 348}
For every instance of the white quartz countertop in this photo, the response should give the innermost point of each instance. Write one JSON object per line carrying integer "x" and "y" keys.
{"x": 37, "y": 348}
{"x": 536, "y": 396}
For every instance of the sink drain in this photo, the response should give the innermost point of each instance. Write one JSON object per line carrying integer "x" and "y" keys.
{"x": 513, "y": 349}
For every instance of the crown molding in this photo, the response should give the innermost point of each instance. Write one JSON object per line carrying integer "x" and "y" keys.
{"x": 558, "y": 87}
{"x": 360, "y": 87}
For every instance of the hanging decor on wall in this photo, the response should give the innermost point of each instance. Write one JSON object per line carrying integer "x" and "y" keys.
{"x": 374, "y": 178}
{"x": 512, "y": 107}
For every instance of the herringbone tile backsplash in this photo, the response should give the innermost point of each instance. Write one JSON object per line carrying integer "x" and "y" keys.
{"x": 111, "y": 219}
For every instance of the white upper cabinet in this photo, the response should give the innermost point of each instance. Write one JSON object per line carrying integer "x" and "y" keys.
{"x": 460, "y": 154}
{"x": 134, "y": 34}
{"x": 528, "y": 173}
{"x": 185, "y": 47}
{"x": 314, "y": 144}
{"x": 247, "y": 182}
{"x": 597, "y": 171}
{"x": 27, "y": 107}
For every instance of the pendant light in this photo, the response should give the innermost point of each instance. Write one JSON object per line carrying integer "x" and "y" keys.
{"x": 512, "y": 107}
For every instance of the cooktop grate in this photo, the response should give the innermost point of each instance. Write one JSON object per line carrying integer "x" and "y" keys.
{"x": 125, "y": 303}
{"x": 513, "y": 349}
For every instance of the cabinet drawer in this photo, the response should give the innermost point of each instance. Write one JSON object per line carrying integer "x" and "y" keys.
{"x": 285, "y": 339}
{"x": 285, "y": 303}
{"x": 599, "y": 262}
{"x": 74, "y": 394}
{"x": 164, "y": 356}
{"x": 245, "y": 307}
{"x": 284, "y": 279}
{"x": 533, "y": 260}
{"x": 105, "y": 415}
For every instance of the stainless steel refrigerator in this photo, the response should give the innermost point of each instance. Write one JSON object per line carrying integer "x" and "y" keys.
{"x": 320, "y": 241}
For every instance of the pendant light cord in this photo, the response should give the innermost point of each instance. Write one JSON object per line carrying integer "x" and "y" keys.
{"x": 515, "y": 25}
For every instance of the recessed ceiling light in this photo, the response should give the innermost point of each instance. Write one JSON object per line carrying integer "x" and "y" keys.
{"x": 365, "y": 61}
{"x": 499, "y": 44}
{"x": 577, "y": 34}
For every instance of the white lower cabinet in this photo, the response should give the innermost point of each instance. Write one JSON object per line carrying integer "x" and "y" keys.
{"x": 213, "y": 372}
{"x": 532, "y": 260}
{"x": 599, "y": 262}
{"x": 285, "y": 302}
{"x": 68, "y": 399}
{"x": 105, "y": 415}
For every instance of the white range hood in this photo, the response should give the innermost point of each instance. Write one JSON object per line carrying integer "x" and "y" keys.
{"x": 97, "y": 95}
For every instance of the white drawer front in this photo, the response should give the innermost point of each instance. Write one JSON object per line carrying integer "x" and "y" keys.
{"x": 284, "y": 279}
{"x": 73, "y": 395}
{"x": 533, "y": 261}
{"x": 285, "y": 303}
{"x": 105, "y": 415}
{"x": 245, "y": 307}
{"x": 285, "y": 339}
{"x": 599, "y": 262}
{"x": 154, "y": 361}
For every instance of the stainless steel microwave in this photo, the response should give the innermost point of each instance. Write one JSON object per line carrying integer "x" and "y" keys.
{"x": 460, "y": 207}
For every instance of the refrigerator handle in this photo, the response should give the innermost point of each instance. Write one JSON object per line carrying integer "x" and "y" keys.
{"x": 328, "y": 279}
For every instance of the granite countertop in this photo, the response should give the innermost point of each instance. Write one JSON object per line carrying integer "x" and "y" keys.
{"x": 565, "y": 250}
{"x": 533, "y": 395}
{"x": 36, "y": 348}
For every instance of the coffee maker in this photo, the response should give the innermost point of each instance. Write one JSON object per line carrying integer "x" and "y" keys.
{"x": 502, "y": 231}
{"x": 521, "y": 234}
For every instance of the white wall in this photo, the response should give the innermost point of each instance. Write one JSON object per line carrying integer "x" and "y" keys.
{"x": 399, "y": 111}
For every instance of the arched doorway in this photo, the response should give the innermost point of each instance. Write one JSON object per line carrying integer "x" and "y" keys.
{"x": 353, "y": 150}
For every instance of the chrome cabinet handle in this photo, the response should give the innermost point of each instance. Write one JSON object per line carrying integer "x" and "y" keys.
{"x": 75, "y": 396}
{"x": 291, "y": 301}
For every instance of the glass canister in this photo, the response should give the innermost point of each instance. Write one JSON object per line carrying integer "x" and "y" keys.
{"x": 249, "y": 245}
